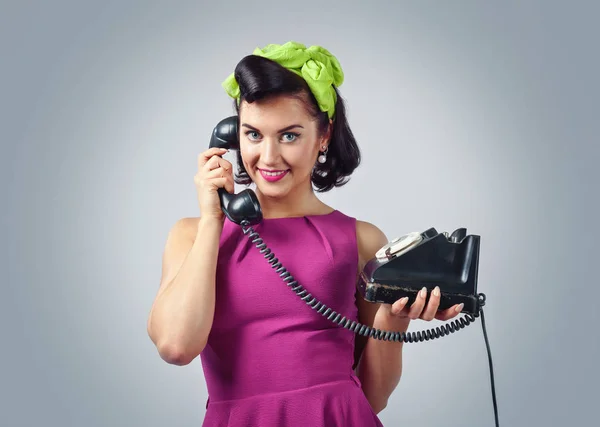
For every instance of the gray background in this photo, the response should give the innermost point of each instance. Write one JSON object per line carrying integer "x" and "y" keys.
{"x": 474, "y": 114}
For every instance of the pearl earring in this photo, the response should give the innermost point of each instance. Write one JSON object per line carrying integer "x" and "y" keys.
{"x": 323, "y": 157}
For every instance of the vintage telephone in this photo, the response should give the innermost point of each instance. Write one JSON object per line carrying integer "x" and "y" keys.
{"x": 400, "y": 268}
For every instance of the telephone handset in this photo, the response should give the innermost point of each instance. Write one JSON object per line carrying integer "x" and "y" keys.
{"x": 243, "y": 206}
{"x": 400, "y": 268}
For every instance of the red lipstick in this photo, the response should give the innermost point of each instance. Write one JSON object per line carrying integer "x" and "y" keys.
{"x": 272, "y": 175}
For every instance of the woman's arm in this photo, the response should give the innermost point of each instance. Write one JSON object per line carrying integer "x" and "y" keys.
{"x": 182, "y": 313}
{"x": 379, "y": 363}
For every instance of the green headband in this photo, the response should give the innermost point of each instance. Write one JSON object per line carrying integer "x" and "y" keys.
{"x": 319, "y": 68}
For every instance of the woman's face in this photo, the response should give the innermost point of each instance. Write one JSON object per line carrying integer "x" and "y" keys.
{"x": 279, "y": 145}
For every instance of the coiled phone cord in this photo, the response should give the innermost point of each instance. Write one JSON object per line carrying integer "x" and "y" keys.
{"x": 364, "y": 330}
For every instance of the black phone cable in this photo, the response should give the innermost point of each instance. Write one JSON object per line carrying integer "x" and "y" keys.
{"x": 364, "y": 330}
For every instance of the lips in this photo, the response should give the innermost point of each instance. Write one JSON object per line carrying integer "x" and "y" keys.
{"x": 272, "y": 175}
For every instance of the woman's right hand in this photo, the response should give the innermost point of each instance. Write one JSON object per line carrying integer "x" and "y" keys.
{"x": 214, "y": 172}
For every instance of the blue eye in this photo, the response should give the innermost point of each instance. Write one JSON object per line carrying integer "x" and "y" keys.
{"x": 292, "y": 135}
{"x": 252, "y": 132}
{"x": 287, "y": 137}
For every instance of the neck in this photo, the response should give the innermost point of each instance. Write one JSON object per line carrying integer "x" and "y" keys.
{"x": 301, "y": 201}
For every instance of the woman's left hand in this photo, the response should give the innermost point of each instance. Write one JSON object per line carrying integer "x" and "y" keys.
{"x": 420, "y": 310}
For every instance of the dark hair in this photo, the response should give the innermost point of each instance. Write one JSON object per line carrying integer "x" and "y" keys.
{"x": 260, "y": 78}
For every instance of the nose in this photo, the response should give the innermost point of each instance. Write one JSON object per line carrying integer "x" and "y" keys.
{"x": 270, "y": 152}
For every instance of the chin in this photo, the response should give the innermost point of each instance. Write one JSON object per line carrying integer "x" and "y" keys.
{"x": 273, "y": 193}
{"x": 273, "y": 190}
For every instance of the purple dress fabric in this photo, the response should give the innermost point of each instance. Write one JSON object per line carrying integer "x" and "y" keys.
{"x": 271, "y": 360}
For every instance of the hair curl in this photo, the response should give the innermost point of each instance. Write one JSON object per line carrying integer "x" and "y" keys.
{"x": 259, "y": 78}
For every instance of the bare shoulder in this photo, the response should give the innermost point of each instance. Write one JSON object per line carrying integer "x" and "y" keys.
{"x": 370, "y": 239}
{"x": 182, "y": 234}
{"x": 179, "y": 242}
{"x": 185, "y": 227}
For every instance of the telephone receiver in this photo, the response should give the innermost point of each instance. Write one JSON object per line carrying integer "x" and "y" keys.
{"x": 244, "y": 206}
{"x": 400, "y": 268}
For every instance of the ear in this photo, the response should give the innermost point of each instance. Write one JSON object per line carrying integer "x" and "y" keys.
{"x": 326, "y": 138}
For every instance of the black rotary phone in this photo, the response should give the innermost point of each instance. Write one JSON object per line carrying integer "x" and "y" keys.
{"x": 401, "y": 268}
{"x": 407, "y": 264}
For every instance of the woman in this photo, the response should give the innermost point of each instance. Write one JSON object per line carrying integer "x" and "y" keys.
{"x": 268, "y": 358}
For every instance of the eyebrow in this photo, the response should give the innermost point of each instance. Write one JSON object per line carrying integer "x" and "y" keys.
{"x": 279, "y": 131}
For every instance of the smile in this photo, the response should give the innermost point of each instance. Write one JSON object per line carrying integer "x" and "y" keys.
{"x": 272, "y": 176}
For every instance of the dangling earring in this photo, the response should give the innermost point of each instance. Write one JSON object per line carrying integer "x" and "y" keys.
{"x": 323, "y": 157}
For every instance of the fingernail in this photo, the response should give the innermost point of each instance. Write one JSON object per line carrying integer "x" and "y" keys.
{"x": 459, "y": 308}
{"x": 423, "y": 292}
{"x": 403, "y": 300}
{"x": 436, "y": 291}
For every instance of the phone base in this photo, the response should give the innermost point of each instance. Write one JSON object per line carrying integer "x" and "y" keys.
{"x": 378, "y": 293}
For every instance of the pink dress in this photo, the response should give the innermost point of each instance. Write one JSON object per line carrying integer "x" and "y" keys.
{"x": 271, "y": 360}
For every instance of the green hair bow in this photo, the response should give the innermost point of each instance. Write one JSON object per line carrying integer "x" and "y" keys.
{"x": 319, "y": 68}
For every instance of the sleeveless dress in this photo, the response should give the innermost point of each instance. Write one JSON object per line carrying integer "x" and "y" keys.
{"x": 271, "y": 360}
